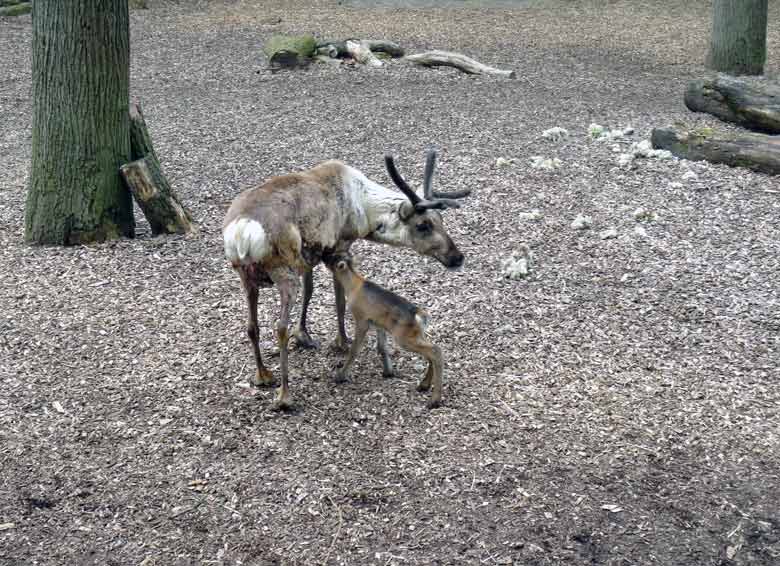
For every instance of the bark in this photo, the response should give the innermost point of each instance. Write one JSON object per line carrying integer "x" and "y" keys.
{"x": 155, "y": 198}
{"x": 758, "y": 152}
{"x": 460, "y": 62}
{"x": 738, "y": 40}
{"x": 754, "y": 105}
{"x": 81, "y": 130}
{"x": 140, "y": 140}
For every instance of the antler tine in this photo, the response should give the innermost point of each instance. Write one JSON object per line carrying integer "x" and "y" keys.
{"x": 399, "y": 181}
{"x": 452, "y": 195}
{"x": 430, "y": 166}
{"x": 438, "y": 204}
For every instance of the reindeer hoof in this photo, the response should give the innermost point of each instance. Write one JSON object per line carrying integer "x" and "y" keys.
{"x": 283, "y": 402}
{"x": 261, "y": 378}
{"x": 387, "y": 374}
{"x": 434, "y": 403}
{"x": 424, "y": 386}
{"x": 305, "y": 341}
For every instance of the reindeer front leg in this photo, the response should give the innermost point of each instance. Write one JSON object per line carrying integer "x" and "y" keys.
{"x": 302, "y": 336}
{"x": 342, "y": 342}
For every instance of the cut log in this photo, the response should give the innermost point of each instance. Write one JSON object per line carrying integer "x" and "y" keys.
{"x": 362, "y": 54}
{"x": 154, "y": 196}
{"x": 140, "y": 140}
{"x": 758, "y": 152}
{"x": 287, "y": 51}
{"x": 753, "y": 104}
{"x": 457, "y": 60}
{"x": 383, "y": 46}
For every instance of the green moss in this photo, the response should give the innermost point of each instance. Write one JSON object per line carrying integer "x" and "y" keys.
{"x": 303, "y": 45}
{"x": 16, "y": 10}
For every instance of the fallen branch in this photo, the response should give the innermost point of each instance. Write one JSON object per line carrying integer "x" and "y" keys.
{"x": 754, "y": 105}
{"x": 758, "y": 152}
{"x": 140, "y": 140}
{"x": 460, "y": 62}
{"x": 154, "y": 196}
{"x": 338, "y": 49}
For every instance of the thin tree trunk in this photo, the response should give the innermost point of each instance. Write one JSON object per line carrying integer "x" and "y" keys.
{"x": 81, "y": 124}
{"x": 738, "y": 41}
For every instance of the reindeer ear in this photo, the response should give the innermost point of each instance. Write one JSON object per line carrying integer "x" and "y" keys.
{"x": 406, "y": 210}
{"x": 341, "y": 265}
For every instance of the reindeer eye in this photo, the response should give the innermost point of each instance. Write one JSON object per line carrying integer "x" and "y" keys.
{"x": 424, "y": 227}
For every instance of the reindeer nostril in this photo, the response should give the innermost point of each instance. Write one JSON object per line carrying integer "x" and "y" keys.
{"x": 455, "y": 261}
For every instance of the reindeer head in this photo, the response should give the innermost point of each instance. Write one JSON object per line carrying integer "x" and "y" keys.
{"x": 420, "y": 215}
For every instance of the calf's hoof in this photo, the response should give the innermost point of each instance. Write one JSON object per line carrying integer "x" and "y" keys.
{"x": 424, "y": 385}
{"x": 262, "y": 377}
{"x": 339, "y": 376}
{"x": 387, "y": 374}
{"x": 283, "y": 401}
{"x": 305, "y": 341}
{"x": 434, "y": 403}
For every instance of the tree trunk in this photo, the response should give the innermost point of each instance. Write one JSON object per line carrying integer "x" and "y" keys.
{"x": 738, "y": 40}
{"x": 758, "y": 152}
{"x": 81, "y": 124}
{"x": 754, "y": 104}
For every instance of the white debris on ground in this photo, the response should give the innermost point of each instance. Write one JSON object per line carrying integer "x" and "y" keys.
{"x": 609, "y": 234}
{"x": 675, "y": 185}
{"x": 640, "y": 231}
{"x": 503, "y": 162}
{"x": 690, "y": 176}
{"x": 643, "y": 149}
{"x": 582, "y": 222}
{"x": 518, "y": 265}
{"x": 601, "y": 133}
{"x": 534, "y": 216}
{"x": 547, "y": 163}
{"x": 555, "y": 134}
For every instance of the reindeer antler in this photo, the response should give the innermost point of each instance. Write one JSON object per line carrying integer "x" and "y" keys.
{"x": 432, "y": 199}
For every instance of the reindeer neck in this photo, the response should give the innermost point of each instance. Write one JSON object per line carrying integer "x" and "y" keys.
{"x": 378, "y": 218}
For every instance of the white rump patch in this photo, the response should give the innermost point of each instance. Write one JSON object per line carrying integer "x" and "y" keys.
{"x": 245, "y": 241}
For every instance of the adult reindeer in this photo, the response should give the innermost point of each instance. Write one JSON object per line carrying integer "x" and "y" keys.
{"x": 276, "y": 233}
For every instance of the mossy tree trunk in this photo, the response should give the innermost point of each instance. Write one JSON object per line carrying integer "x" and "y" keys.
{"x": 81, "y": 125}
{"x": 738, "y": 40}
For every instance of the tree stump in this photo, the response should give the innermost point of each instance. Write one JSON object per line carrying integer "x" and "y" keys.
{"x": 457, "y": 60}
{"x": 758, "y": 152}
{"x": 752, "y": 104}
{"x": 154, "y": 196}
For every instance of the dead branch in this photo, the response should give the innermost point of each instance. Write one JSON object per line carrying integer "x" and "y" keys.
{"x": 457, "y": 60}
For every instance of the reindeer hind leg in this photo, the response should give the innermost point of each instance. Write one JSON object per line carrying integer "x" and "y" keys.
{"x": 288, "y": 283}
{"x": 433, "y": 375}
{"x": 262, "y": 375}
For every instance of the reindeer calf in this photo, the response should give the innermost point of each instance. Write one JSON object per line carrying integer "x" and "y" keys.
{"x": 371, "y": 305}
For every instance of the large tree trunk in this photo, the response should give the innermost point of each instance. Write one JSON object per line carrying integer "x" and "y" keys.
{"x": 738, "y": 41}
{"x": 81, "y": 123}
{"x": 758, "y": 152}
{"x": 754, "y": 104}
